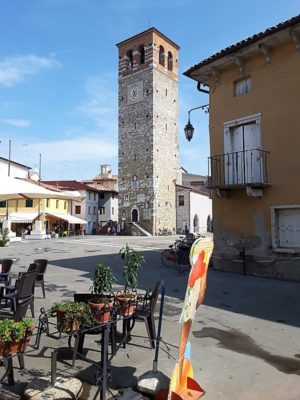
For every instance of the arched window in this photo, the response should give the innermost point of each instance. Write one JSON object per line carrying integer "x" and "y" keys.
{"x": 129, "y": 59}
{"x": 196, "y": 224}
{"x": 209, "y": 224}
{"x": 142, "y": 54}
{"x": 126, "y": 198}
{"x": 162, "y": 56}
{"x": 170, "y": 61}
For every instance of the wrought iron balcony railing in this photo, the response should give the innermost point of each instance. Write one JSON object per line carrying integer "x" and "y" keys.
{"x": 241, "y": 168}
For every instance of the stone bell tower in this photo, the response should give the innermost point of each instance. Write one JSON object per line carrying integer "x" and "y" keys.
{"x": 148, "y": 131}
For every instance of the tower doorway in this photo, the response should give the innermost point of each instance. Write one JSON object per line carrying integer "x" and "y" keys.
{"x": 134, "y": 215}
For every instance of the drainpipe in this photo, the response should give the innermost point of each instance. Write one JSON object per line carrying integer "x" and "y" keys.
{"x": 202, "y": 90}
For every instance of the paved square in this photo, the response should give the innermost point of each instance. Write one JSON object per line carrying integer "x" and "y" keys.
{"x": 245, "y": 338}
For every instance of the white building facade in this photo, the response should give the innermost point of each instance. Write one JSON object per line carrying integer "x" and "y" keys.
{"x": 87, "y": 209}
{"x": 107, "y": 186}
{"x": 194, "y": 210}
{"x": 108, "y": 206}
{"x": 13, "y": 169}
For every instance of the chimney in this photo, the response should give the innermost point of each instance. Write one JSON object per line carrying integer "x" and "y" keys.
{"x": 105, "y": 169}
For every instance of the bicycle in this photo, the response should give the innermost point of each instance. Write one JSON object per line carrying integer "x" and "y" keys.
{"x": 164, "y": 232}
{"x": 178, "y": 253}
{"x": 169, "y": 256}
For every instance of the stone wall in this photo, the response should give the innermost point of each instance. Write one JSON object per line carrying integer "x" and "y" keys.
{"x": 165, "y": 132}
{"x": 148, "y": 150}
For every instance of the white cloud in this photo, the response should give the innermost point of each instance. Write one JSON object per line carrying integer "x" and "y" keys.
{"x": 73, "y": 158}
{"x": 20, "y": 123}
{"x": 76, "y": 149}
{"x": 100, "y": 102}
{"x": 17, "y": 69}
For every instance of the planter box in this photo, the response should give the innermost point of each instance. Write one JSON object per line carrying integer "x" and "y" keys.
{"x": 14, "y": 347}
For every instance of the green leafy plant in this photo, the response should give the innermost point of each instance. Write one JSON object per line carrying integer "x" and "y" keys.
{"x": 11, "y": 331}
{"x": 72, "y": 311}
{"x": 133, "y": 261}
{"x": 4, "y": 232}
{"x": 103, "y": 279}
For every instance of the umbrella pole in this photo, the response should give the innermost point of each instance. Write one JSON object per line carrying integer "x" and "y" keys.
{"x": 158, "y": 337}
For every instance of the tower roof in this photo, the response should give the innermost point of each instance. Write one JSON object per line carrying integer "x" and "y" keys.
{"x": 154, "y": 30}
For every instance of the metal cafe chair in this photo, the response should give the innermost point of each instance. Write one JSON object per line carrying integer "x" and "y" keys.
{"x": 6, "y": 264}
{"x": 42, "y": 266}
{"x": 23, "y": 291}
{"x": 145, "y": 312}
{"x": 5, "y": 275}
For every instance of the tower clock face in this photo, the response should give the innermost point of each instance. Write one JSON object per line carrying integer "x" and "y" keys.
{"x": 135, "y": 92}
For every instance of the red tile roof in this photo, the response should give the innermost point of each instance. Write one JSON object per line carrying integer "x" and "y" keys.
{"x": 37, "y": 183}
{"x": 69, "y": 185}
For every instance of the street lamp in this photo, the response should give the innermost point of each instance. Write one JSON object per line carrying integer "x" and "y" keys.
{"x": 189, "y": 129}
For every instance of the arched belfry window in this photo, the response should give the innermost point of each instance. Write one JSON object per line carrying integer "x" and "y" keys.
{"x": 161, "y": 55}
{"x": 129, "y": 59}
{"x": 170, "y": 61}
{"x": 142, "y": 54}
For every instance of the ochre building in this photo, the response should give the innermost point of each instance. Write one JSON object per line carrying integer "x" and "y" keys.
{"x": 254, "y": 93}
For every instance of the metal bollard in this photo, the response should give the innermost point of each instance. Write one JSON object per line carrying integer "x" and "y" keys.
{"x": 53, "y": 367}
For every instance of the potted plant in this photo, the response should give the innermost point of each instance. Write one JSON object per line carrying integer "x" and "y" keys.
{"x": 71, "y": 316}
{"x": 14, "y": 336}
{"x": 102, "y": 282}
{"x": 4, "y": 232}
{"x": 133, "y": 261}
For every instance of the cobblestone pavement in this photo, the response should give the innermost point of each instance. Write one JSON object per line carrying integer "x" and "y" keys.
{"x": 245, "y": 338}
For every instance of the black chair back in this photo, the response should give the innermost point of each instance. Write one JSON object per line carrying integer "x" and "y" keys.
{"x": 83, "y": 297}
{"x": 6, "y": 265}
{"x": 21, "y": 310}
{"x": 33, "y": 267}
{"x": 25, "y": 286}
{"x": 42, "y": 266}
{"x": 154, "y": 297}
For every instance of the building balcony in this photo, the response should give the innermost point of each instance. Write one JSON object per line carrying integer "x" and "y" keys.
{"x": 247, "y": 168}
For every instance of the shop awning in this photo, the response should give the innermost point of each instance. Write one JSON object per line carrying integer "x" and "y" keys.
{"x": 69, "y": 218}
{"x": 16, "y": 188}
{"x": 19, "y": 217}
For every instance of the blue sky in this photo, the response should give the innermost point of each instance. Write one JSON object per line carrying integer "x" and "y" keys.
{"x": 58, "y": 73}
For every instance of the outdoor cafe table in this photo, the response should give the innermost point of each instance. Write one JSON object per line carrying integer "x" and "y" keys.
{"x": 104, "y": 330}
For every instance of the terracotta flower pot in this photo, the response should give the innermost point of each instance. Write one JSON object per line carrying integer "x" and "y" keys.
{"x": 126, "y": 303}
{"x": 14, "y": 346}
{"x": 101, "y": 308}
{"x": 65, "y": 325}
